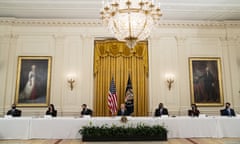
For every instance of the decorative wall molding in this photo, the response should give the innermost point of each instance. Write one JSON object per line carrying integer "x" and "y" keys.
{"x": 98, "y": 22}
{"x": 50, "y": 22}
{"x": 191, "y": 24}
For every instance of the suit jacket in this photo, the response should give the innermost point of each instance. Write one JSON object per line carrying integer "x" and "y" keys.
{"x": 124, "y": 113}
{"x": 159, "y": 113}
{"x": 14, "y": 112}
{"x": 53, "y": 114}
{"x": 193, "y": 113}
{"x": 86, "y": 112}
{"x": 224, "y": 112}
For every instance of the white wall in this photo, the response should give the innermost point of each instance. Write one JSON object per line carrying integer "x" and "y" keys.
{"x": 71, "y": 46}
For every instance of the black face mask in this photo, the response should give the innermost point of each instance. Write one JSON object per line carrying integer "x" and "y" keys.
{"x": 13, "y": 107}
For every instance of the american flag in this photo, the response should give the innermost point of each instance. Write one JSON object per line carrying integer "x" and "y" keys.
{"x": 112, "y": 98}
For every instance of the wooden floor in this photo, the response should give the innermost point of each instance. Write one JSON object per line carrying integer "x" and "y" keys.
{"x": 170, "y": 141}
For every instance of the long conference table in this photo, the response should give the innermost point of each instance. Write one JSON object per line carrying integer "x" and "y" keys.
{"x": 68, "y": 127}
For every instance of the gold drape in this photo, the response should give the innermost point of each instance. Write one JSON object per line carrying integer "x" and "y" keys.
{"x": 114, "y": 59}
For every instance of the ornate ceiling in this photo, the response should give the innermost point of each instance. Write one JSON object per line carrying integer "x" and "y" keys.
{"x": 190, "y": 10}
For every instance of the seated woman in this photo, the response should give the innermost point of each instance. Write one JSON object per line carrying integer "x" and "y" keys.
{"x": 194, "y": 111}
{"x": 51, "y": 111}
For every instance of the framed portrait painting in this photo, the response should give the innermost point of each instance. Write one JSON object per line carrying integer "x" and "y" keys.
{"x": 33, "y": 81}
{"x": 206, "y": 81}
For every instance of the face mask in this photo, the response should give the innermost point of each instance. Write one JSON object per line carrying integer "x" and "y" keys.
{"x": 13, "y": 107}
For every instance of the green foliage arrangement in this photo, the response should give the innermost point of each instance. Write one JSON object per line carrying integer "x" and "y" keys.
{"x": 140, "y": 131}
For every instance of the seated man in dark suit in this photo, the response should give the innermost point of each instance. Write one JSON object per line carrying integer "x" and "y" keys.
{"x": 194, "y": 111}
{"x": 161, "y": 110}
{"x": 14, "y": 111}
{"x": 85, "y": 110}
{"x": 227, "y": 111}
{"x": 123, "y": 111}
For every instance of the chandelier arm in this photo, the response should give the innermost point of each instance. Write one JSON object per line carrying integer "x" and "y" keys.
{"x": 115, "y": 26}
{"x": 145, "y": 23}
{"x": 129, "y": 25}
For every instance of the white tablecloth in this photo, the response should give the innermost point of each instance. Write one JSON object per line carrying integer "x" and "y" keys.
{"x": 68, "y": 127}
{"x": 229, "y": 127}
{"x": 14, "y": 128}
{"x": 55, "y": 128}
{"x": 185, "y": 127}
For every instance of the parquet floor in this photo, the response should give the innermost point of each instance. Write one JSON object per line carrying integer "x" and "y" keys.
{"x": 170, "y": 141}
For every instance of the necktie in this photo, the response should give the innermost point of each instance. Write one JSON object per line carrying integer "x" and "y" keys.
{"x": 229, "y": 112}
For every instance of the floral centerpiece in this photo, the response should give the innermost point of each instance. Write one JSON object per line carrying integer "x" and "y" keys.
{"x": 140, "y": 132}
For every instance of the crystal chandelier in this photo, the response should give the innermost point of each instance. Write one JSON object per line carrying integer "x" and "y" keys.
{"x": 130, "y": 20}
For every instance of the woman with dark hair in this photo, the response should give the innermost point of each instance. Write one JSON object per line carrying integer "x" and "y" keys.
{"x": 194, "y": 111}
{"x": 51, "y": 111}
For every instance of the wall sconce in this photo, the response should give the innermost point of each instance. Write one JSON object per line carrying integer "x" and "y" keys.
{"x": 71, "y": 81}
{"x": 170, "y": 80}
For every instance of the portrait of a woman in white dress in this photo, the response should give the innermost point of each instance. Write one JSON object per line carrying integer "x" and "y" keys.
{"x": 33, "y": 81}
{"x": 29, "y": 91}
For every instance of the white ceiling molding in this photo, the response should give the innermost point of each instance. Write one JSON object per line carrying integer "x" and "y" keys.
{"x": 92, "y": 22}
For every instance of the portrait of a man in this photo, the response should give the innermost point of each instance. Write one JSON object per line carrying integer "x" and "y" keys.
{"x": 205, "y": 81}
{"x": 33, "y": 81}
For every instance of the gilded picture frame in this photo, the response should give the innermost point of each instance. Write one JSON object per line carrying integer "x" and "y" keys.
{"x": 33, "y": 81}
{"x": 206, "y": 81}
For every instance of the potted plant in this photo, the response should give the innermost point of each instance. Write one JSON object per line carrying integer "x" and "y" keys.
{"x": 141, "y": 132}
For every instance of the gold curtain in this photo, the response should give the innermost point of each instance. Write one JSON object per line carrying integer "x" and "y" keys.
{"x": 114, "y": 59}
